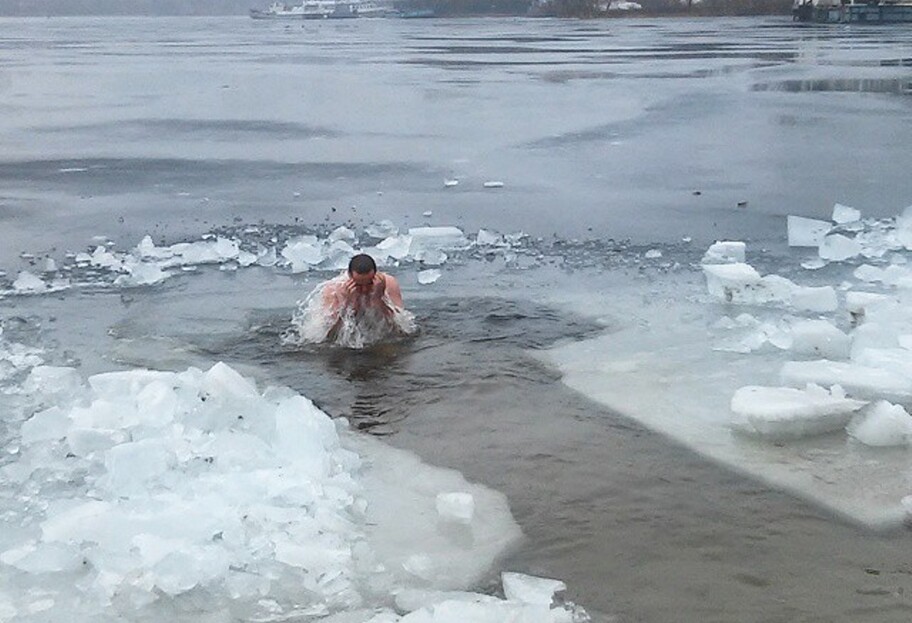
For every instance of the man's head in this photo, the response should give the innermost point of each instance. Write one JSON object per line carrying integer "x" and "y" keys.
{"x": 361, "y": 270}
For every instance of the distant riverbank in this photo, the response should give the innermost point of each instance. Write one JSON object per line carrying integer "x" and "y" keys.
{"x": 440, "y": 8}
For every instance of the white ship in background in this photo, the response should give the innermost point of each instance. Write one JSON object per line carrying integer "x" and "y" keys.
{"x": 278, "y": 10}
{"x": 324, "y": 9}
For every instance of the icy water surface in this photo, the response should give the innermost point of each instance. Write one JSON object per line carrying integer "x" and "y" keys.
{"x": 611, "y": 139}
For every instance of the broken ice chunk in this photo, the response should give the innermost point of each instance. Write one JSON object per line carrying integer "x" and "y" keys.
{"x": 813, "y": 264}
{"x": 431, "y": 257}
{"x": 897, "y": 360}
{"x": 863, "y": 382}
{"x": 456, "y": 506}
{"x": 338, "y": 254}
{"x": 882, "y": 424}
{"x": 904, "y": 228}
{"x": 724, "y": 252}
{"x": 818, "y": 299}
{"x": 132, "y": 465}
{"x": 419, "y": 565}
{"x": 724, "y": 281}
{"x": 652, "y": 254}
{"x": 342, "y": 233}
{"x": 844, "y": 214}
{"x": 381, "y": 229}
{"x": 820, "y": 339}
{"x": 49, "y": 424}
{"x": 43, "y": 558}
{"x": 857, "y": 302}
{"x": 266, "y": 256}
{"x": 429, "y": 276}
{"x": 787, "y": 413}
{"x": 303, "y": 253}
{"x": 445, "y": 237}
{"x": 530, "y": 589}
{"x": 806, "y": 232}
{"x": 837, "y": 248}
{"x": 28, "y": 283}
{"x": 396, "y": 246}
{"x": 141, "y": 274}
{"x": 487, "y": 238}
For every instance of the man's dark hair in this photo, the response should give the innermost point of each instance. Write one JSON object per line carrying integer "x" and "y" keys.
{"x": 362, "y": 264}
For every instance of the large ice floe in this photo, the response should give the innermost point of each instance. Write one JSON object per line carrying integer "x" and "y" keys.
{"x": 196, "y": 496}
{"x": 804, "y": 382}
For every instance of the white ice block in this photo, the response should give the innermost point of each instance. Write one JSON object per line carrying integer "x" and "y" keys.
{"x": 487, "y": 238}
{"x": 882, "y": 424}
{"x": 725, "y": 252}
{"x": 456, "y": 506}
{"x": 857, "y": 302}
{"x": 396, "y": 246}
{"x": 788, "y": 413}
{"x": 838, "y": 248}
{"x": 28, "y": 283}
{"x": 728, "y": 281}
{"x": 806, "y": 232}
{"x": 819, "y": 339}
{"x": 382, "y": 229}
{"x": 844, "y": 214}
{"x": 443, "y": 238}
{"x": 530, "y": 589}
{"x": 429, "y": 276}
{"x": 303, "y": 252}
{"x": 814, "y": 298}
{"x": 862, "y": 382}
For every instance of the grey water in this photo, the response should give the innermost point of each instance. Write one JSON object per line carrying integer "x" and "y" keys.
{"x": 609, "y": 136}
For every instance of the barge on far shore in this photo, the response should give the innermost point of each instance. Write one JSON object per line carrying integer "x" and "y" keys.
{"x": 852, "y": 12}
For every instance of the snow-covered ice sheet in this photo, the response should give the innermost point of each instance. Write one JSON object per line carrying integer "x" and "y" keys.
{"x": 674, "y": 383}
{"x": 787, "y": 399}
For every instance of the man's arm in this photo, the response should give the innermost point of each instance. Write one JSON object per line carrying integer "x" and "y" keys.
{"x": 394, "y": 292}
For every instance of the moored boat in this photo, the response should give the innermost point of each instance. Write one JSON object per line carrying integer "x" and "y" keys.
{"x": 309, "y": 9}
{"x": 278, "y": 10}
{"x": 840, "y": 12}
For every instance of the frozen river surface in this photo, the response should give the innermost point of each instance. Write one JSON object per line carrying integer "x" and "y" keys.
{"x": 621, "y": 148}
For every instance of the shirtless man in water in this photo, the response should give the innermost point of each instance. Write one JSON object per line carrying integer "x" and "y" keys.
{"x": 365, "y": 289}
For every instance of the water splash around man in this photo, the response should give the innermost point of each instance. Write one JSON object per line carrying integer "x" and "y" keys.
{"x": 358, "y": 308}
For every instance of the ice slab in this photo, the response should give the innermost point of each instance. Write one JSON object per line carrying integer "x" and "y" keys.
{"x": 883, "y": 424}
{"x": 530, "y": 589}
{"x": 403, "y": 527}
{"x": 456, "y": 506}
{"x": 787, "y": 413}
{"x": 725, "y": 252}
{"x": 819, "y": 339}
{"x": 426, "y": 277}
{"x": 859, "y": 381}
{"x": 838, "y": 248}
{"x": 487, "y": 238}
{"x": 844, "y": 214}
{"x": 27, "y": 283}
{"x": 443, "y": 237}
{"x": 806, "y": 232}
{"x": 663, "y": 373}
